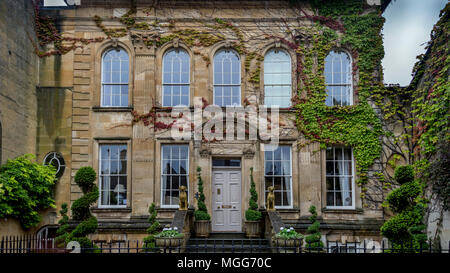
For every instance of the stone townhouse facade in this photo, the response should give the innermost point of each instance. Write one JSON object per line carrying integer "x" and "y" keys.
{"x": 107, "y": 104}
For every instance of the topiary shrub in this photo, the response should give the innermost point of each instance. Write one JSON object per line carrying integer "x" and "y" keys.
{"x": 84, "y": 178}
{"x": 63, "y": 229}
{"x": 404, "y": 174}
{"x": 405, "y": 229}
{"x": 149, "y": 241}
{"x": 313, "y": 240}
{"x": 202, "y": 212}
{"x": 252, "y": 214}
{"x": 25, "y": 189}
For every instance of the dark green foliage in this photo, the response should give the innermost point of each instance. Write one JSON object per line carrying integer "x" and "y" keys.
{"x": 202, "y": 212}
{"x": 25, "y": 189}
{"x": 252, "y": 214}
{"x": 404, "y": 174}
{"x": 80, "y": 207}
{"x": 313, "y": 239}
{"x": 149, "y": 241}
{"x": 84, "y": 178}
{"x": 397, "y": 229}
{"x": 406, "y": 227}
{"x": 337, "y": 8}
{"x": 63, "y": 229}
{"x": 403, "y": 198}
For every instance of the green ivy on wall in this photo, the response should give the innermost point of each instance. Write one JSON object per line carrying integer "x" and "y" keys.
{"x": 357, "y": 125}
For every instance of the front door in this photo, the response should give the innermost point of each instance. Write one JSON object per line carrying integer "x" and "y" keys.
{"x": 226, "y": 208}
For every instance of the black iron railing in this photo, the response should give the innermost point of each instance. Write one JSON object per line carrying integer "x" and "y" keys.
{"x": 35, "y": 244}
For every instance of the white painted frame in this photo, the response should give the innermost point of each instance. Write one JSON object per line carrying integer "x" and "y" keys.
{"x": 291, "y": 195}
{"x": 161, "y": 174}
{"x": 173, "y": 84}
{"x": 112, "y": 83}
{"x": 352, "y": 207}
{"x": 351, "y": 76}
{"x": 100, "y": 176}
{"x": 227, "y": 85}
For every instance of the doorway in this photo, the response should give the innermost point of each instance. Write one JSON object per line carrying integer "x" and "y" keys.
{"x": 226, "y": 195}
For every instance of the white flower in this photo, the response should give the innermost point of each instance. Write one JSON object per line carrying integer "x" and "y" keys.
{"x": 291, "y": 228}
{"x": 164, "y": 229}
{"x": 175, "y": 228}
{"x": 281, "y": 228}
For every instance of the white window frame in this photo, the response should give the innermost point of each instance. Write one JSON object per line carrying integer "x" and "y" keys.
{"x": 112, "y": 83}
{"x": 162, "y": 172}
{"x": 278, "y": 85}
{"x": 100, "y": 175}
{"x": 290, "y": 178}
{"x": 353, "y": 191}
{"x": 228, "y": 85}
{"x": 350, "y": 85}
{"x": 174, "y": 84}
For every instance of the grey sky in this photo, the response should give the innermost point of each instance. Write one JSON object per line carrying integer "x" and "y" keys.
{"x": 406, "y": 31}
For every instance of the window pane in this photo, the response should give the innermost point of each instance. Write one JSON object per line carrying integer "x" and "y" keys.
{"x": 338, "y": 72}
{"x": 330, "y": 183}
{"x": 340, "y": 182}
{"x": 330, "y": 199}
{"x": 174, "y": 160}
{"x": 268, "y": 168}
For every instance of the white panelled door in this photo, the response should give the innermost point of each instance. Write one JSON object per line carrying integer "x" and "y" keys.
{"x": 226, "y": 208}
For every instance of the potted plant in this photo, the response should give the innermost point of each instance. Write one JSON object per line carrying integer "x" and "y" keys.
{"x": 288, "y": 237}
{"x": 202, "y": 218}
{"x": 169, "y": 237}
{"x": 252, "y": 215}
{"x": 150, "y": 240}
{"x": 313, "y": 240}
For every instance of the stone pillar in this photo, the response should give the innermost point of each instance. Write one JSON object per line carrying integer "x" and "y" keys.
{"x": 143, "y": 144}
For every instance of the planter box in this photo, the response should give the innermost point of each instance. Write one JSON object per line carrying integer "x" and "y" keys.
{"x": 202, "y": 228}
{"x": 288, "y": 244}
{"x": 253, "y": 229}
{"x": 169, "y": 242}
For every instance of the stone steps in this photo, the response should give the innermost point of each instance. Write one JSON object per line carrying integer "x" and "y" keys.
{"x": 227, "y": 243}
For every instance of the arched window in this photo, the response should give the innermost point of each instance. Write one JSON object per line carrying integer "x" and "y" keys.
{"x": 227, "y": 78}
{"x": 115, "y": 77}
{"x": 277, "y": 78}
{"x": 176, "y": 78}
{"x": 338, "y": 78}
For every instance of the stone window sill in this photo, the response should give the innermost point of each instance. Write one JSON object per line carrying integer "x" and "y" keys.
{"x": 111, "y": 210}
{"x": 112, "y": 109}
{"x": 343, "y": 211}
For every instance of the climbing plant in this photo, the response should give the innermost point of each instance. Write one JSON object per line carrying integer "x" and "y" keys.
{"x": 25, "y": 189}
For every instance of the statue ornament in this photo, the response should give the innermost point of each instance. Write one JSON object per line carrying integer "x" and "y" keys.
{"x": 270, "y": 199}
{"x": 183, "y": 198}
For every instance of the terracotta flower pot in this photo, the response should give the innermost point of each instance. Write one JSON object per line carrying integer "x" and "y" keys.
{"x": 253, "y": 229}
{"x": 202, "y": 228}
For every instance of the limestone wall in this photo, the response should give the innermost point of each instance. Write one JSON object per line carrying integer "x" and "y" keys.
{"x": 18, "y": 79}
{"x": 92, "y": 125}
